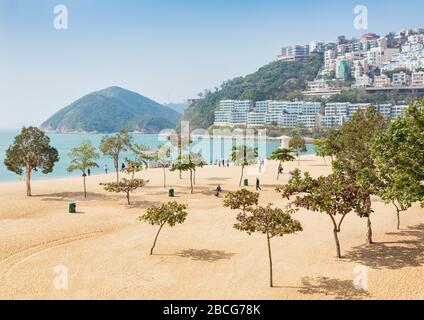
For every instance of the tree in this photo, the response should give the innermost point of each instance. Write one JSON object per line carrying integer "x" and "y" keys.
{"x": 188, "y": 163}
{"x": 112, "y": 146}
{"x": 298, "y": 144}
{"x": 31, "y": 150}
{"x": 244, "y": 156}
{"x": 327, "y": 146}
{"x": 125, "y": 186}
{"x": 355, "y": 158}
{"x": 140, "y": 160}
{"x": 281, "y": 155}
{"x": 241, "y": 200}
{"x": 164, "y": 159}
{"x": 270, "y": 221}
{"x": 400, "y": 159}
{"x": 83, "y": 158}
{"x": 333, "y": 195}
{"x": 171, "y": 213}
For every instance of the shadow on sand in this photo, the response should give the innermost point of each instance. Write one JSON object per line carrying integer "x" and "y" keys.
{"x": 393, "y": 255}
{"x": 205, "y": 255}
{"x": 334, "y": 288}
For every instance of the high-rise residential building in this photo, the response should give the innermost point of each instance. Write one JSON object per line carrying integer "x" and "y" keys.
{"x": 294, "y": 53}
{"x": 398, "y": 111}
{"x": 337, "y": 109}
{"x": 311, "y": 108}
{"x": 417, "y": 79}
{"x": 382, "y": 81}
{"x": 308, "y": 121}
{"x": 288, "y": 120}
{"x": 385, "y": 110}
{"x": 343, "y": 69}
{"x": 401, "y": 79}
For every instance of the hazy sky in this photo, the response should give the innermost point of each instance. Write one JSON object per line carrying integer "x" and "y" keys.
{"x": 168, "y": 50}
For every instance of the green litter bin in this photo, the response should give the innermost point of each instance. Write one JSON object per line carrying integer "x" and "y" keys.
{"x": 72, "y": 207}
{"x": 246, "y": 182}
{"x": 171, "y": 193}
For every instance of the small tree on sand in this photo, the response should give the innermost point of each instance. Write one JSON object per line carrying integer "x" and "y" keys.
{"x": 327, "y": 146}
{"x": 83, "y": 158}
{"x": 31, "y": 151}
{"x": 333, "y": 195}
{"x": 112, "y": 146}
{"x": 273, "y": 222}
{"x": 244, "y": 156}
{"x": 171, "y": 213}
{"x": 125, "y": 186}
{"x": 164, "y": 159}
{"x": 281, "y": 155}
{"x": 298, "y": 144}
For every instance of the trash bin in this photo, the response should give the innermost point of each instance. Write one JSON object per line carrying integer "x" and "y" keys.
{"x": 171, "y": 193}
{"x": 246, "y": 182}
{"x": 72, "y": 207}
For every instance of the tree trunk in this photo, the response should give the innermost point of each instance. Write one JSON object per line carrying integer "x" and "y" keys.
{"x": 369, "y": 231}
{"x": 164, "y": 177}
{"x": 117, "y": 169}
{"x": 278, "y": 174}
{"x": 28, "y": 181}
{"x": 85, "y": 187}
{"x": 156, "y": 239}
{"x": 194, "y": 176}
{"x": 336, "y": 238}
{"x": 181, "y": 176}
{"x": 369, "y": 226}
{"x": 191, "y": 181}
{"x": 128, "y": 198}
{"x": 398, "y": 218}
{"x": 241, "y": 177}
{"x": 271, "y": 281}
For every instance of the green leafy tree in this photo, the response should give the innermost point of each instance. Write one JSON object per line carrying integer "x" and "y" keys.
{"x": 241, "y": 200}
{"x": 298, "y": 144}
{"x": 244, "y": 156}
{"x": 400, "y": 159}
{"x": 355, "y": 158}
{"x": 164, "y": 159}
{"x": 83, "y": 158}
{"x": 171, "y": 213}
{"x": 125, "y": 186}
{"x": 139, "y": 161}
{"x": 281, "y": 155}
{"x": 273, "y": 222}
{"x": 113, "y": 146}
{"x": 334, "y": 195}
{"x": 188, "y": 163}
{"x": 327, "y": 146}
{"x": 31, "y": 151}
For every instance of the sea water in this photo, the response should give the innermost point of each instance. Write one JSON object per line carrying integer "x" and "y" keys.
{"x": 210, "y": 149}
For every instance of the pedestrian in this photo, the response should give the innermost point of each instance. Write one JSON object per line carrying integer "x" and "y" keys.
{"x": 89, "y": 171}
{"x": 228, "y": 163}
{"x": 218, "y": 190}
{"x": 106, "y": 169}
{"x": 258, "y": 184}
{"x": 123, "y": 166}
{"x": 223, "y": 163}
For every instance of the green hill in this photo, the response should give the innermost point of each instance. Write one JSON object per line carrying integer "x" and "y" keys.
{"x": 111, "y": 110}
{"x": 277, "y": 80}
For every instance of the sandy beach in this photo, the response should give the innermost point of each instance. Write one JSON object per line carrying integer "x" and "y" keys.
{"x": 105, "y": 249}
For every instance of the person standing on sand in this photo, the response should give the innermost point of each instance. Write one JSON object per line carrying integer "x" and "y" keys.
{"x": 258, "y": 184}
{"x": 89, "y": 171}
{"x": 106, "y": 169}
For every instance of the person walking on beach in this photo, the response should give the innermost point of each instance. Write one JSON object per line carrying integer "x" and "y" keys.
{"x": 258, "y": 185}
{"x": 123, "y": 166}
{"x": 218, "y": 190}
{"x": 89, "y": 171}
{"x": 106, "y": 169}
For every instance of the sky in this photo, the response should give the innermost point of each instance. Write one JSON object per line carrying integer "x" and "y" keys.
{"x": 167, "y": 50}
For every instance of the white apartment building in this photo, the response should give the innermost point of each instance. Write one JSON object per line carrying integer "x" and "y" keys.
{"x": 308, "y": 121}
{"x": 398, "y": 111}
{"x": 417, "y": 79}
{"x": 363, "y": 81}
{"x": 311, "y": 108}
{"x": 289, "y": 120}
{"x": 401, "y": 79}
{"x": 382, "y": 81}
{"x": 353, "y": 108}
{"x": 385, "y": 110}
{"x": 256, "y": 118}
{"x": 337, "y": 109}
{"x": 328, "y": 121}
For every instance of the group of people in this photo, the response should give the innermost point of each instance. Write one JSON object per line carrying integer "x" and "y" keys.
{"x": 221, "y": 163}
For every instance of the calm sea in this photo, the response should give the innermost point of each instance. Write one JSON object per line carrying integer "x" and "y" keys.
{"x": 210, "y": 150}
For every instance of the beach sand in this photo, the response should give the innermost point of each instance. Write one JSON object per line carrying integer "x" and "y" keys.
{"x": 104, "y": 249}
